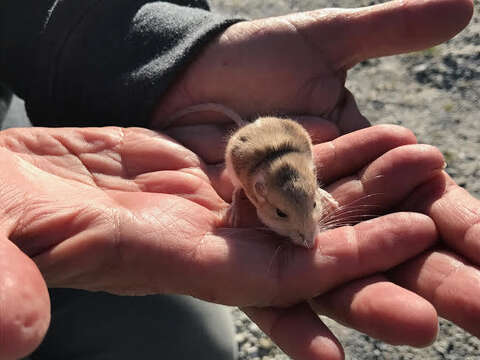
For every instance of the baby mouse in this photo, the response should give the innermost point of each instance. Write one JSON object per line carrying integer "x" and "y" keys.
{"x": 271, "y": 159}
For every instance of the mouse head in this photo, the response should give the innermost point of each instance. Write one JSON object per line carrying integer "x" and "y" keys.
{"x": 288, "y": 201}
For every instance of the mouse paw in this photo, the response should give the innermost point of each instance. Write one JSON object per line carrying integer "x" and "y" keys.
{"x": 328, "y": 200}
{"x": 233, "y": 218}
{"x": 233, "y": 214}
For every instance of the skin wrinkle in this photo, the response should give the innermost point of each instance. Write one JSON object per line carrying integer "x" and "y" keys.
{"x": 81, "y": 219}
{"x": 282, "y": 256}
{"x": 436, "y": 292}
{"x": 211, "y": 292}
{"x": 474, "y": 237}
{"x": 113, "y": 217}
{"x": 403, "y": 10}
{"x": 355, "y": 255}
{"x": 319, "y": 166}
{"x": 305, "y": 38}
{"x": 449, "y": 188}
{"x": 347, "y": 63}
{"x": 313, "y": 87}
{"x": 196, "y": 195}
{"x": 10, "y": 142}
{"x": 119, "y": 147}
{"x": 201, "y": 242}
{"x": 117, "y": 231}
{"x": 308, "y": 90}
{"x": 86, "y": 170}
{"x": 271, "y": 331}
{"x": 328, "y": 15}
{"x": 199, "y": 173}
{"x": 310, "y": 87}
{"x": 336, "y": 112}
{"x": 11, "y": 214}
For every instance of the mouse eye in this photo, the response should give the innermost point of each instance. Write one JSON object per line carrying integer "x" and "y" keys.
{"x": 314, "y": 205}
{"x": 281, "y": 214}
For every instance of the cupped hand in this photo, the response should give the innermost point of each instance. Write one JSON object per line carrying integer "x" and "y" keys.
{"x": 297, "y": 64}
{"x": 449, "y": 275}
{"x": 131, "y": 211}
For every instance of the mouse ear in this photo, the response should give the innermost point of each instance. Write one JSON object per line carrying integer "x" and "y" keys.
{"x": 259, "y": 187}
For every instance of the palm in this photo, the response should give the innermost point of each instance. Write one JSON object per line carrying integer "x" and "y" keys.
{"x": 104, "y": 188}
{"x": 149, "y": 211}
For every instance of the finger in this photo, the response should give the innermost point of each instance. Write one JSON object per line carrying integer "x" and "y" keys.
{"x": 107, "y": 155}
{"x": 143, "y": 151}
{"x": 348, "y": 253}
{"x": 207, "y": 140}
{"x": 191, "y": 184}
{"x": 449, "y": 282}
{"x": 455, "y": 212}
{"x": 370, "y": 192}
{"x": 384, "y": 183}
{"x": 382, "y": 310}
{"x": 242, "y": 267}
{"x": 269, "y": 272}
{"x": 24, "y": 303}
{"x": 298, "y": 332}
{"x": 320, "y": 130}
{"x": 390, "y": 28}
{"x": 351, "y": 152}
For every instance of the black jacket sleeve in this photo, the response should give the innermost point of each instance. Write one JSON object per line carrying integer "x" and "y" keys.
{"x": 99, "y": 62}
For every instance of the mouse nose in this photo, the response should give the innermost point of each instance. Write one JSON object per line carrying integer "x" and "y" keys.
{"x": 306, "y": 242}
{"x": 309, "y": 238}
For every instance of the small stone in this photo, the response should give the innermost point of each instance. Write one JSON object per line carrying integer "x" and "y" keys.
{"x": 265, "y": 343}
{"x": 254, "y": 328}
{"x": 240, "y": 338}
{"x": 420, "y": 68}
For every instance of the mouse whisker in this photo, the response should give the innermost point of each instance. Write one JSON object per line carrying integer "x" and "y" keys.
{"x": 361, "y": 198}
{"x": 344, "y": 213}
{"x": 356, "y": 211}
{"x": 356, "y": 207}
{"x": 350, "y": 216}
{"x": 341, "y": 221}
{"x": 277, "y": 250}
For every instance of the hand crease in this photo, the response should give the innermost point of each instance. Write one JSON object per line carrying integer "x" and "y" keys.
{"x": 435, "y": 293}
{"x": 119, "y": 147}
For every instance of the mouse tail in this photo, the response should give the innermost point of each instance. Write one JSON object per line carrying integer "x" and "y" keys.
{"x": 219, "y": 108}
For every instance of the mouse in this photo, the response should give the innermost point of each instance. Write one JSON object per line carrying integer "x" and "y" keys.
{"x": 270, "y": 159}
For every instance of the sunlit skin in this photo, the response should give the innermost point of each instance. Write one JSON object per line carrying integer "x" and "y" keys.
{"x": 133, "y": 211}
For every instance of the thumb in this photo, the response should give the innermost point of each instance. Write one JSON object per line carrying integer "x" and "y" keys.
{"x": 390, "y": 28}
{"x": 24, "y": 303}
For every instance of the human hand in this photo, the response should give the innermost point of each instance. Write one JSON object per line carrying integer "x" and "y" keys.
{"x": 297, "y": 64}
{"x": 448, "y": 275}
{"x": 131, "y": 211}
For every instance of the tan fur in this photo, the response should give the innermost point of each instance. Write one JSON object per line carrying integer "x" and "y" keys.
{"x": 272, "y": 160}
{"x": 277, "y": 153}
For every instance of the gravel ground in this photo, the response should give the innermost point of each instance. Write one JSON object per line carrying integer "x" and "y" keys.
{"x": 436, "y": 94}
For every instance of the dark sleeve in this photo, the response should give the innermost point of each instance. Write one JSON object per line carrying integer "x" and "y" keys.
{"x": 99, "y": 62}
